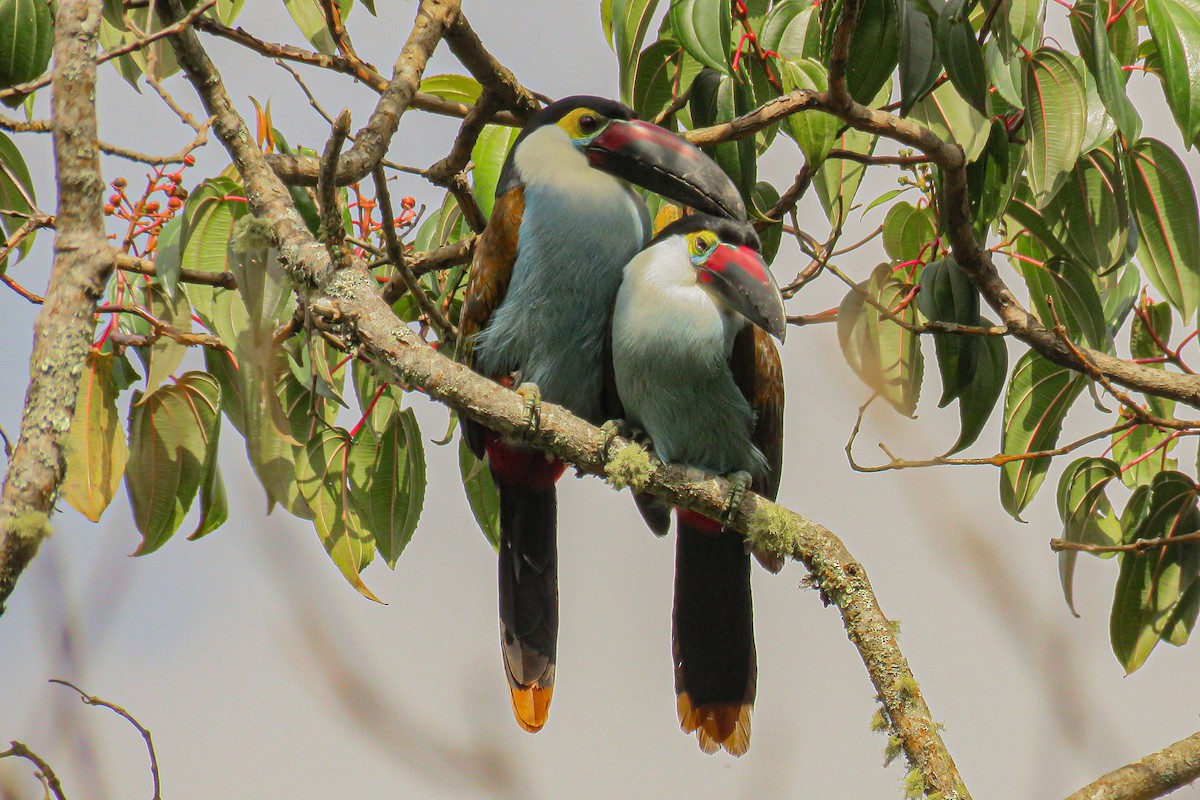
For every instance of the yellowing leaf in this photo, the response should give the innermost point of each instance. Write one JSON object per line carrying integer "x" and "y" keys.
{"x": 96, "y": 450}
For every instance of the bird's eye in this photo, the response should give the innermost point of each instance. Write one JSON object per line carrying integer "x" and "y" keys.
{"x": 702, "y": 244}
{"x": 588, "y": 124}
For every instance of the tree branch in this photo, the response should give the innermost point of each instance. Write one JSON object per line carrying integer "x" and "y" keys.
{"x": 336, "y": 63}
{"x": 82, "y": 264}
{"x": 434, "y": 17}
{"x": 1154, "y": 776}
{"x": 405, "y": 359}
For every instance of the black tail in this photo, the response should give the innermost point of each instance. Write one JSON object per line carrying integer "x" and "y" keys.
{"x": 529, "y": 598}
{"x": 713, "y": 635}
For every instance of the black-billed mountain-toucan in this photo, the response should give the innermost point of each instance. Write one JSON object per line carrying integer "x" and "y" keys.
{"x": 543, "y": 282}
{"x": 695, "y": 368}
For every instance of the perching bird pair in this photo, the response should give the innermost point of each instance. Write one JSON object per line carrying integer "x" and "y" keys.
{"x": 570, "y": 302}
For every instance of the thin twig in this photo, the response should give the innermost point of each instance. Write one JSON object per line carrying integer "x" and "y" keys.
{"x": 92, "y": 700}
{"x": 1136, "y": 546}
{"x": 446, "y": 331}
{"x": 997, "y": 460}
{"x": 125, "y": 49}
{"x": 161, "y": 328}
{"x": 18, "y": 750}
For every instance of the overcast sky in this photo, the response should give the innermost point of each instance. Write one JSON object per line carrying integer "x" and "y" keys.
{"x": 261, "y": 673}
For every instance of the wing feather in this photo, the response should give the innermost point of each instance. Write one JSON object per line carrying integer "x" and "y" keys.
{"x": 491, "y": 273}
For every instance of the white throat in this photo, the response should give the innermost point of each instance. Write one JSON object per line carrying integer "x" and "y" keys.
{"x": 549, "y": 157}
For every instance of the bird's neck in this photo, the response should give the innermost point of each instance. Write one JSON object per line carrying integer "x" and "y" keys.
{"x": 548, "y": 159}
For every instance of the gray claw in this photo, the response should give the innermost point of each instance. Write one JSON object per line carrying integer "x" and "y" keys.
{"x": 533, "y": 407}
{"x": 739, "y": 482}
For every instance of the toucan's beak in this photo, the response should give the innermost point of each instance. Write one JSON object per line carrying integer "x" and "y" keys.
{"x": 658, "y": 160}
{"x": 740, "y": 277}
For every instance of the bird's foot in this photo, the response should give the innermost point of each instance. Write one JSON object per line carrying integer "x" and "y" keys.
{"x": 533, "y": 407}
{"x": 739, "y": 482}
{"x": 614, "y": 428}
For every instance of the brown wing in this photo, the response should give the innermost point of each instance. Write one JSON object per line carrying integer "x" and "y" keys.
{"x": 759, "y": 374}
{"x": 491, "y": 272}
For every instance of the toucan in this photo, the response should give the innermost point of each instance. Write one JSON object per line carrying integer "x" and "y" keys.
{"x": 535, "y": 317}
{"x": 695, "y": 369}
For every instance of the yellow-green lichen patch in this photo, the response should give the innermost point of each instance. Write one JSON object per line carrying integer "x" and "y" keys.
{"x": 630, "y": 467}
{"x": 250, "y": 233}
{"x": 769, "y": 529}
{"x": 914, "y": 784}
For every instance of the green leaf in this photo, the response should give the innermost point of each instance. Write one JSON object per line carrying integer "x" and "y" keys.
{"x": 1143, "y": 452}
{"x": 947, "y": 295}
{"x": 214, "y": 503}
{"x": 457, "y": 88}
{"x": 990, "y": 179}
{"x": 208, "y": 222}
{"x": 654, "y": 81}
{"x": 874, "y": 49}
{"x": 704, "y": 28}
{"x": 718, "y": 98}
{"x": 630, "y": 21}
{"x": 490, "y": 151}
{"x": 221, "y": 366}
{"x": 168, "y": 256}
{"x": 26, "y": 40}
{"x": 1149, "y": 602}
{"x": 1120, "y": 298}
{"x": 961, "y": 53}
{"x": 1056, "y": 119}
{"x": 1175, "y": 27}
{"x": 1039, "y": 395}
{"x": 1100, "y": 128}
{"x": 1088, "y": 25}
{"x": 323, "y": 474}
{"x": 606, "y": 22}
{"x": 1144, "y": 344}
{"x": 271, "y": 445}
{"x": 1045, "y": 231}
{"x": 15, "y": 184}
{"x": 886, "y": 356}
{"x": 373, "y": 394}
{"x": 945, "y": 113}
{"x": 171, "y": 431}
{"x": 1004, "y": 74}
{"x": 1164, "y": 208}
{"x": 164, "y": 356}
{"x": 814, "y": 131}
{"x": 765, "y": 198}
{"x": 792, "y": 30}
{"x": 263, "y": 286}
{"x": 96, "y": 451}
{"x": 975, "y": 406}
{"x": 387, "y": 477}
{"x": 310, "y": 19}
{"x": 920, "y": 62}
{"x": 1074, "y": 298}
{"x": 838, "y": 179}
{"x": 1093, "y": 213}
{"x": 1018, "y": 23}
{"x": 482, "y": 495}
{"x": 908, "y": 230}
{"x": 1086, "y": 514}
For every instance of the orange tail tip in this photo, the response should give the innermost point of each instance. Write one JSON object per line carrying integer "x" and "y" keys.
{"x": 531, "y": 705}
{"x": 718, "y": 725}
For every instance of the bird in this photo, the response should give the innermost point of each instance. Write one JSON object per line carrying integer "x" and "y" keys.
{"x": 535, "y": 317}
{"x": 695, "y": 370}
